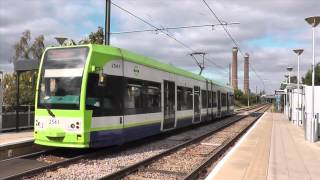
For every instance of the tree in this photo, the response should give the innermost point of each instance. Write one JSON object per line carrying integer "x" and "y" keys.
{"x": 307, "y": 79}
{"x": 94, "y": 37}
{"x": 37, "y": 48}
{"x": 9, "y": 97}
{"x": 241, "y": 99}
{"x": 283, "y": 85}
{"x": 26, "y": 90}
{"x": 25, "y": 49}
{"x": 238, "y": 94}
{"x": 293, "y": 79}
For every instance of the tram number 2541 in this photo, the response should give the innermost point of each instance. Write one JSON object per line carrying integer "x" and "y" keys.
{"x": 116, "y": 66}
{"x": 54, "y": 121}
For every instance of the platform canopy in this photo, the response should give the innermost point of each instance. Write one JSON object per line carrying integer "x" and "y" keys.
{"x": 21, "y": 66}
{"x": 26, "y": 65}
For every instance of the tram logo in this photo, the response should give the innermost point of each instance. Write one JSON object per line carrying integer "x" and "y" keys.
{"x": 136, "y": 70}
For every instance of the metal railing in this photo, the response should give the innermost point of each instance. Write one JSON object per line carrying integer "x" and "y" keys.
{"x": 8, "y": 117}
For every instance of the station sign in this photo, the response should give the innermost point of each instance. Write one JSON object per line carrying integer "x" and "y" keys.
{"x": 279, "y": 92}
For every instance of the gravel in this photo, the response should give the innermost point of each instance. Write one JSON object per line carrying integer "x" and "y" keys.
{"x": 50, "y": 159}
{"x": 180, "y": 163}
{"x": 109, "y": 163}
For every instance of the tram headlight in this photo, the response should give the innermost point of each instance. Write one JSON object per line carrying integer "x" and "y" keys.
{"x": 72, "y": 126}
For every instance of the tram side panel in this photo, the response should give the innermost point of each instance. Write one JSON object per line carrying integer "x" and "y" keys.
{"x": 137, "y": 120}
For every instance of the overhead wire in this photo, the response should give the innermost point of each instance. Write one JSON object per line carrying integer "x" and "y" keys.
{"x": 171, "y": 28}
{"x": 232, "y": 39}
{"x": 162, "y": 30}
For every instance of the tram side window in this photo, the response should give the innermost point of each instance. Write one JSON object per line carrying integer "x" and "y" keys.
{"x": 214, "y": 99}
{"x": 223, "y": 99}
{"x": 210, "y": 99}
{"x": 104, "y": 100}
{"x": 204, "y": 99}
{"x": 142, "y": 97}
{"x": 231, "y": 99}
{"x": 184, "y": 98}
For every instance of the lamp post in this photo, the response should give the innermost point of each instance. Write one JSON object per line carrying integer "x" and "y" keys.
{"x": 298, "y": 52}
{"x": 313, "y": 21}
{"x": 61, "y": 40}
{"x": 286, "y": 95}
{"x": 286, "y": 76}
{"x": 289, "y": 69}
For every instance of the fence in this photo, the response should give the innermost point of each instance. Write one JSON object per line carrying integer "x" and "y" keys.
{"x": 8, "y": 118}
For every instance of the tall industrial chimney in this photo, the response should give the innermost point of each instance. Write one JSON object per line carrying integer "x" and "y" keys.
{"x": 246, "y": 74}
{"x": 234, "y": 77}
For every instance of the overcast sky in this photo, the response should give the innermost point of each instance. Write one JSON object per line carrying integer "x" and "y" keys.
{"x": 268, "y": 31}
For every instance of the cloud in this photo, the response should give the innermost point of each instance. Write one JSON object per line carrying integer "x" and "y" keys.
{"x": 52, "y": 18}
{"x": 268, "y": 31}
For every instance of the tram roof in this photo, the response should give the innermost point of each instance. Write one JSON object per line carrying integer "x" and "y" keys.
{"x": 149, "y": 62}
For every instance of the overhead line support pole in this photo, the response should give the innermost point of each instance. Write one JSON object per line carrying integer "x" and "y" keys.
{"x": 107, "y": 23}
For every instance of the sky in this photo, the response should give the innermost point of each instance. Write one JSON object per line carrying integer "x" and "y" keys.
{"x": 268, "y": 30}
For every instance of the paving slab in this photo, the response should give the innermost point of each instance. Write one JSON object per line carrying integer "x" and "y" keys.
{"x": 14, "y": 144}
{"x": 274, "y": 149}
{"x": 9, "y": 138}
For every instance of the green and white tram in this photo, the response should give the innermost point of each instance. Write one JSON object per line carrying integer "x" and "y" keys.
{"x": 95, "y": 96}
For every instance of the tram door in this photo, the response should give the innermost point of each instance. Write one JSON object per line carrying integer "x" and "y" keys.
{"x": 207, "y": 92}
{"x": 169, "y": 105}
{"x": 228, "y": 104}
{"x": 219, "y": 104}
{"x": 210, "y": 102}
{"x": 196, "y": 106}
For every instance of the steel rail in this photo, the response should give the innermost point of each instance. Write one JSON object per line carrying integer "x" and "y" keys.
{"x": 217, "y": 153}
{"x": 69, "y": 161}
{"x": 41, "y": 168}
{"x": 141, "y": 164}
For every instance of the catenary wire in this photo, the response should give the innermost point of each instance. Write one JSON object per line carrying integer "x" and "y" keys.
{"x": 167, "y": 34}
{"x": 232, "y": 39}
{"x": 170, "y": 28}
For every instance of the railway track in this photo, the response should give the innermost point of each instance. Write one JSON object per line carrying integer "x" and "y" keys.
{"x": 33, "y": 163}
{"x": 245, "y": 108}
{"x": 201, "y": 170}
{"x": 114, "y": 160}
{"x": 178, "y": 162}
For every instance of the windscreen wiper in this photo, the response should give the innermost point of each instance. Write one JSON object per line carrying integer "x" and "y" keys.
{"x": 48, "y": 109}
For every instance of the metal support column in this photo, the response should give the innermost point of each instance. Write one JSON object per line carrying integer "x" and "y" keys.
{"x": 107, "y": 23}
{"x": 1, "y": 97}
{"x": 17, "y": 99}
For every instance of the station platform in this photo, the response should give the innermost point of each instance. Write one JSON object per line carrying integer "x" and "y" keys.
{"x": 10, "y": 138}
{"x": 14, "y": 144}
{"x": 273, "y": 149}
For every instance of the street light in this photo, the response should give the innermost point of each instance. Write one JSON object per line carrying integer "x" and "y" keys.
{"x": 61, "y": 40}
{"x": 286, "y": 76}
{"x": 289, "y": 69}
{"x": 246, "y": 77}
{"x": 313, "y": 21}
{"x": 285, "y": 101}
{"x": 298, "y": 52}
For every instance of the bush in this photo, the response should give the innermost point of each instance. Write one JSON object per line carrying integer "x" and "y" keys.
{"x": 242, "y": 98}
